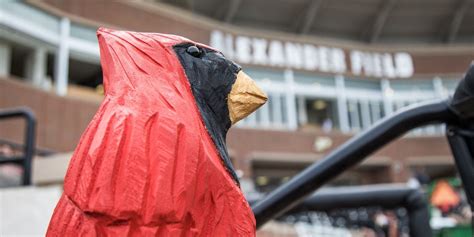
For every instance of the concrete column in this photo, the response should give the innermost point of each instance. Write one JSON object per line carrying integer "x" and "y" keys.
{"x": 302, "y": 114}
{"x": 35, "y": 69}
{"x": 62, "y": 58}
{"x": 342, "y": 104}
{"x": 387, "y": 92}
{"x": 290, "y": 100}
{"x": 365, "y": 114}
{"x": 439, "y": 88}
{"x": 40, "y": 58}
{"x": 5, "y": 59}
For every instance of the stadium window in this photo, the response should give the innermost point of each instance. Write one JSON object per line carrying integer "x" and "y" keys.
{"x": 50, "y": 69}
{"x": 268, "y": 175}
{"x": 354, "y": 115}
{"x": 31, "y": 64}
{"x": 363, "y": 113}
{"x": 85, "y": 77}
{"x": 376, "y": 110}
{"x": 19, "y": 58}
{"x": 263, "y": 115}
{"x": 284, "y": 109}
{"x": 271, "y": 115}
{"x": 319, "y": 112}
{"x": 84, "y": 73}
{"x": 412, "y": 85}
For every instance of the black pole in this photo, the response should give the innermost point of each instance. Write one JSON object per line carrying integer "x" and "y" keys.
{"x": 464, "y": 157}
{"x": 29, "y": 139}
{"x": 350, "y": 153}
{"x": 418, "y": 214}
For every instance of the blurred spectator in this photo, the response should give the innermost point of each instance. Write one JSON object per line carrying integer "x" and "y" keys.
{"x": 327, "y": 125}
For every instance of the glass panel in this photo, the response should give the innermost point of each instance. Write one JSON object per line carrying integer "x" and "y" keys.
{"x": 354, "y": 118}
{"x": 284, "y": 109}
{"x": 320, "y": 113}
{"x": 412, "y": 85}
{"x": 83, "y": 32}
{"x": 365, "y": 114}
{"x": 276, "y": 109}
{"x": 260, "y": 75}
{"x": 362, "y": 84}
{"x": 376, "y": 110}
{"x": 308, "y": 79}
{"x": 450, "y": 85}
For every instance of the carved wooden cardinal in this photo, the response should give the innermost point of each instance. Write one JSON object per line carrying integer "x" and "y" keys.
{"x": 153, "y": 160}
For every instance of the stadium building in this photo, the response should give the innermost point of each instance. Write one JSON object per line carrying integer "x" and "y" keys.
{"x": 331, "y": 69}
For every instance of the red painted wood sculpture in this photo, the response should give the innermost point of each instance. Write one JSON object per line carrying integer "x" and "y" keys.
{"x": 153, "y": 160}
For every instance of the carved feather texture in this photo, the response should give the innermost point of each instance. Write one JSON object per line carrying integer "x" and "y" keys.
{"x": 146, "y": 165}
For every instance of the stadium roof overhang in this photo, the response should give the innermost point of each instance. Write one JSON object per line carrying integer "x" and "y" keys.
{"x": 264, "y": 42}
{"x": 370, "y": 21}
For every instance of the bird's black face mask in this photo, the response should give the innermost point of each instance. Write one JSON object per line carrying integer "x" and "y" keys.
{"x": 222, "y": 92}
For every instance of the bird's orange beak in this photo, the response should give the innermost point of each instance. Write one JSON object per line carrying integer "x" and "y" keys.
{"x": 244, "y": 97}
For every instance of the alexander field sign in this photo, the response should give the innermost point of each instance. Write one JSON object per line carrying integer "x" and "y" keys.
{"x": 310, "y": 57}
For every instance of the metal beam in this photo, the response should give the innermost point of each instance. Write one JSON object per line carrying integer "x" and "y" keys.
{"x": 309, "y": 16}
{"x": 233, "y": 7}
{"x": 456, "y": 20}
{"x": 380, "y": 19}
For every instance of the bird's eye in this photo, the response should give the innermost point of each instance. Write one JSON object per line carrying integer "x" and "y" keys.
{"x": 194, "y": 51}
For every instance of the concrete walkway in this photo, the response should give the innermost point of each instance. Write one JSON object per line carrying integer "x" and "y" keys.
{"x": 25, "y": 211}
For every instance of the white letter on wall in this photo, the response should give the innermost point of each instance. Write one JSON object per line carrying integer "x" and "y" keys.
{"x": 387, "y": 65}
{"x": 310, "y": 60}
{"x": 294, "y": 55}
{"x": 338, "y": 60}
{"x": 356, "y": 62}
{"x": 217, "y": 40}
{"x": 243, "y": 49}
{"x": 323, "y": 59}
{"x": 259, "y": 51}
{"x": 404, "y": 65}
{"x": 275, "y": 53}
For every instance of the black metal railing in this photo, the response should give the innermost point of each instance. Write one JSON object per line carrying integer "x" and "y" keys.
{"x": 386, "y": 196}
{"x": 457, "y": 113}
{"x": 25, "y": 160}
